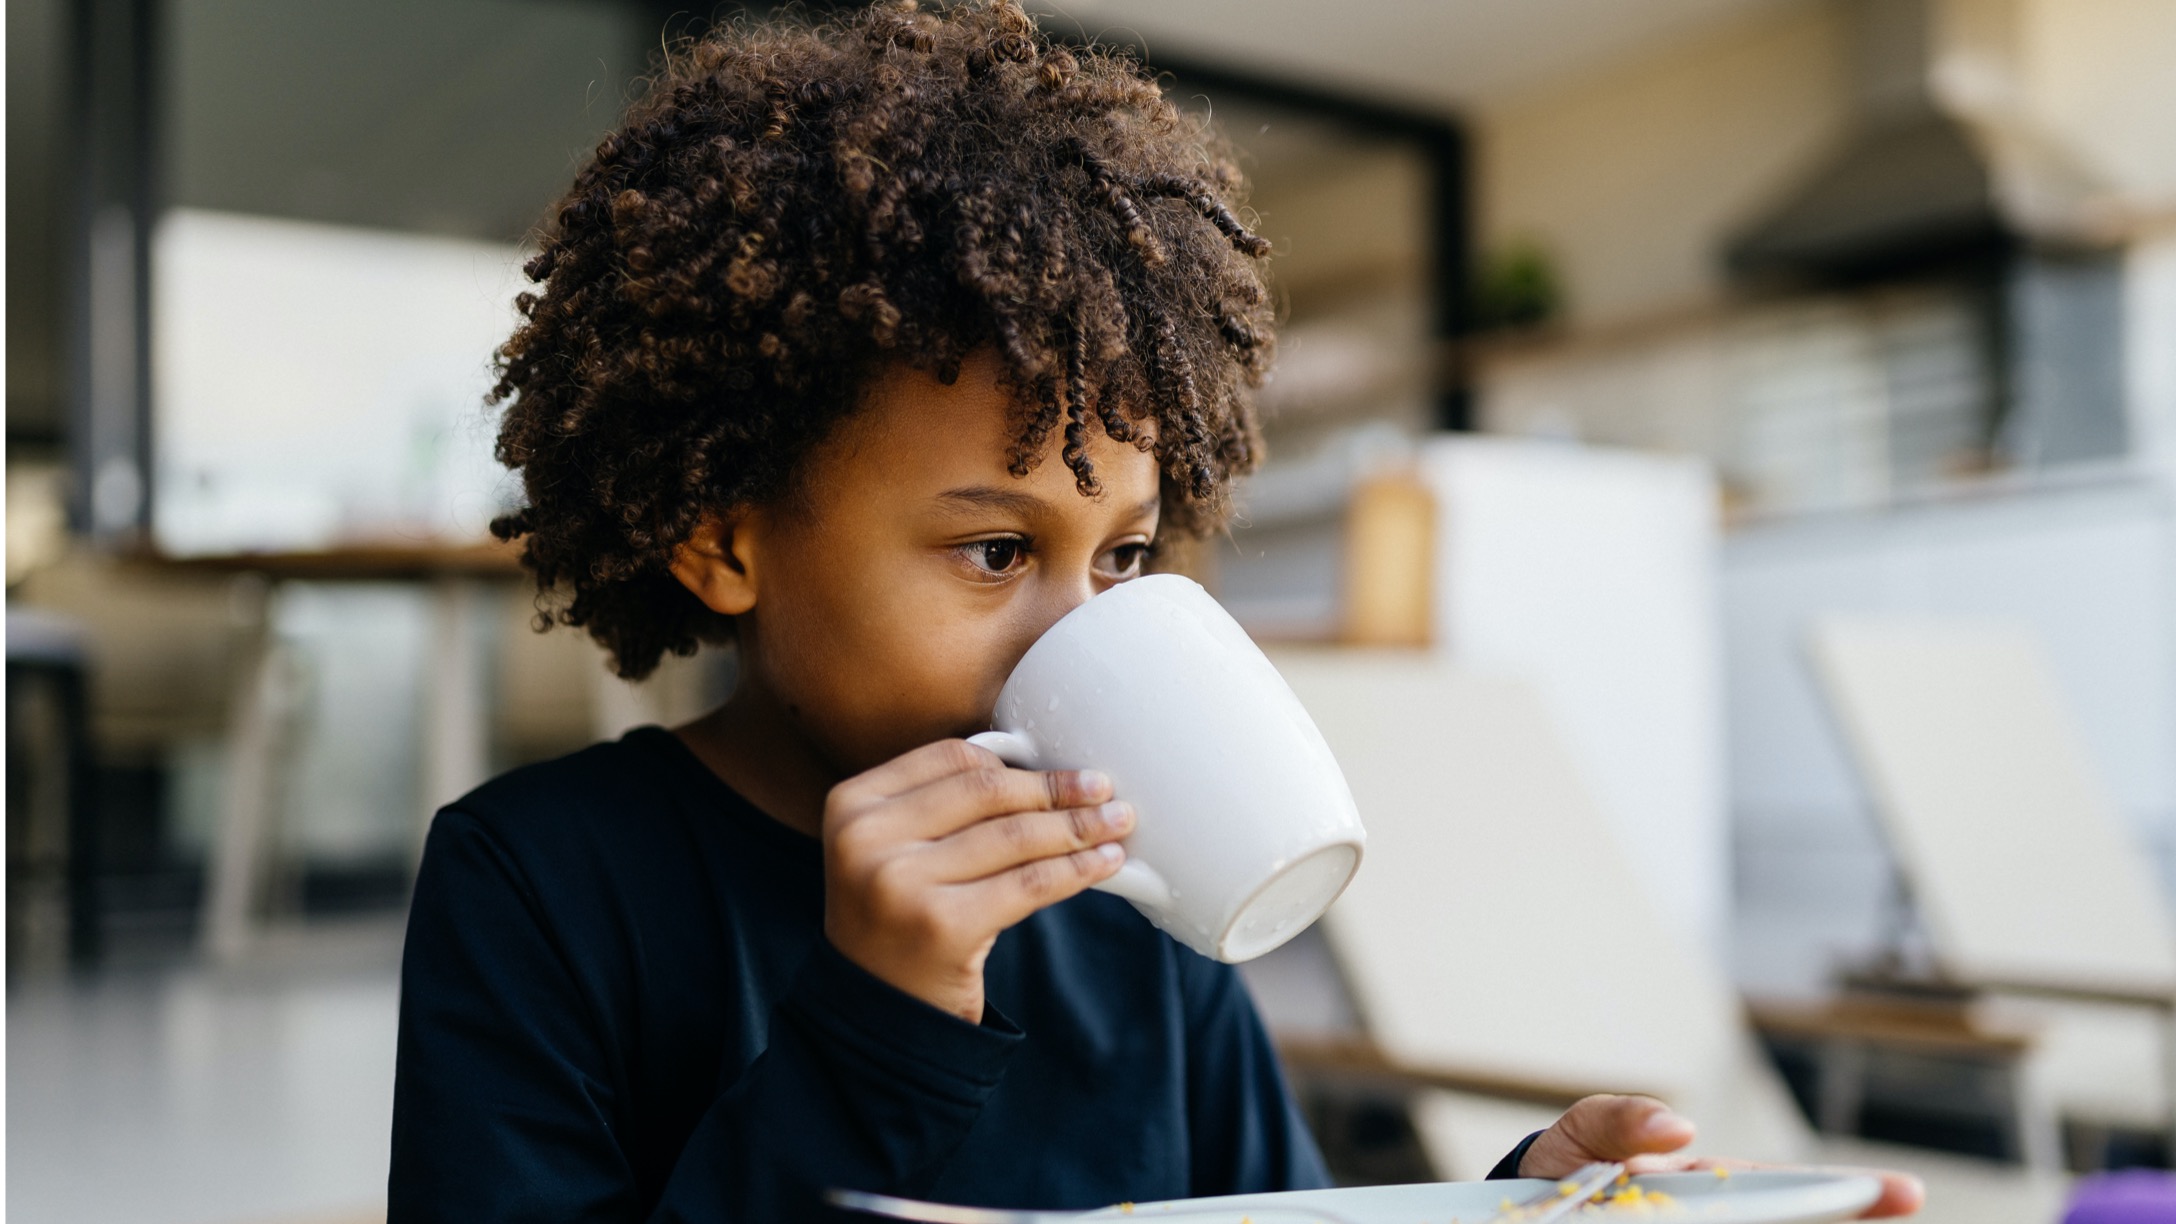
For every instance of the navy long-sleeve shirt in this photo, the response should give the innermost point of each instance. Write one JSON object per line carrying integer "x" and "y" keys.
{"x": 617, "y": 1004}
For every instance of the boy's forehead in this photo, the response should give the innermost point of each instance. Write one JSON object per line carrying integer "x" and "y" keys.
{"x": 902, "y": 402}
{"x": 925, "y": 437}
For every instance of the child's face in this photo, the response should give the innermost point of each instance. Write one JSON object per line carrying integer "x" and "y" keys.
{"x": 893, "y": 597}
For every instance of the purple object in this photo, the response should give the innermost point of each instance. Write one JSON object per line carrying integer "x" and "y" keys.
{"x": 2133, "y": 1196}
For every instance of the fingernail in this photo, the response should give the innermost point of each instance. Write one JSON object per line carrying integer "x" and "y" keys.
{"x": 1094, "y": 781}
{"x": 1117, "y": 814}
{"x": 1663, "y": 1121}
{"x": 1111, "y": 851}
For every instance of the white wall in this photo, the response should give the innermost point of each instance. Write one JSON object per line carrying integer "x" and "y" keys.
{"x": 293, "y": 415}
{"x": 2070, "y": 99}
{"x": 2149, "y": 286}
{"x": 1633, "y": 176}
{"x": 1590, "y": 574}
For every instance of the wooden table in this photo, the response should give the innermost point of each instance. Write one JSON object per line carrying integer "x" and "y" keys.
{"x": 1845, "y": 1031}
{"x": 456, "y": 719}
{"x": 1359, "y": 1062}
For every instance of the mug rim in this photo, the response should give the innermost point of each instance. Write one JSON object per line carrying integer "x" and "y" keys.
{"x": 1221, "y": 942}
{"x": 1052, "y": 630}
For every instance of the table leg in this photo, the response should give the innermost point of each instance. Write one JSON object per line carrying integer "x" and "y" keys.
{"x": 2036, "y": 1131}
{"x": 1843, "y": 1086}
{"x": 2168, "y": 1069}
{"x": 456, "y": 723}
{"x": 242, "y": 850}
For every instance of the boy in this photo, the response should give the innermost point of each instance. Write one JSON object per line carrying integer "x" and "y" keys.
{"x": 872, "y": 348}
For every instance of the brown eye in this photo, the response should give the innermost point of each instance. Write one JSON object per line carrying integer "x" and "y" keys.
{"x": 998, "y": 556}
{"x": 1125, "y": 561}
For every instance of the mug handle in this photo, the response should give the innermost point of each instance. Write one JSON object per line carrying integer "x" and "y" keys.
{"x": 1135, "y": 880}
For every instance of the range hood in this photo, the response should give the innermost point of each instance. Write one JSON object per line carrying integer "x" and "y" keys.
{"x": 1908, "y": 189}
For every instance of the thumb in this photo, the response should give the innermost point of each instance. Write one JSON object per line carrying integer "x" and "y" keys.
{"x": 1618, "y": 1127}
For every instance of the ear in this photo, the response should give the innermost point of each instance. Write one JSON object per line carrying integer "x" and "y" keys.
{"x": 717, "y": 562}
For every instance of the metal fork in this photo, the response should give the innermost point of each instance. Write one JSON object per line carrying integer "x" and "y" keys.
{"x": 946, "y": 1213}
{"x": 1563, "y": 1198}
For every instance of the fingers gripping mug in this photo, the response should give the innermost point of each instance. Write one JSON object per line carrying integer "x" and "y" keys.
{"x": 1245, "y": 830}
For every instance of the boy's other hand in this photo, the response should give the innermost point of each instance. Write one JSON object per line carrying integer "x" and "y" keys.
{"x": 1641, "y": 1131}
{"x": 1605, "y": 1128}
{"x": 929, "y": 855}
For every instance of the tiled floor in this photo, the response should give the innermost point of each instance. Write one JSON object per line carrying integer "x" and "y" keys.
{"x": 258, "y": 1094}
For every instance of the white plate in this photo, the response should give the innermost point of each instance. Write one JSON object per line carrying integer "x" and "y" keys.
{"x": 1747, "y": 1196}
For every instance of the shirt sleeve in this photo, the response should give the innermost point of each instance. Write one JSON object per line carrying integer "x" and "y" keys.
{"x": 1247, "y": 1133}
{"x": 509, "y": 1102}
{"x": 1508, "y": 1167}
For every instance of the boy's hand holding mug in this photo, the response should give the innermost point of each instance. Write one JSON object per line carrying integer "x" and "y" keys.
{"x": 1249, "y": 830}
{"x": 928, "y": 856}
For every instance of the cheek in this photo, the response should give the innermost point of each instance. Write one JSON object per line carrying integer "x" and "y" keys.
{"x": 873, "y": 673}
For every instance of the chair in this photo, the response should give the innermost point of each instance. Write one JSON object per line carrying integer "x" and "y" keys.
{"x": 2031, "y": 894}
{"x": 1497, "y": 924}
{"x": 1500, "y": 949}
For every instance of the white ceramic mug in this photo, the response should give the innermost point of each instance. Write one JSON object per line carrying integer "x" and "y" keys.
{"x": 1246, "y": 831}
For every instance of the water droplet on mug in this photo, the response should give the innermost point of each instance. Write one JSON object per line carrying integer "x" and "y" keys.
{"x": 1053, "y": 704}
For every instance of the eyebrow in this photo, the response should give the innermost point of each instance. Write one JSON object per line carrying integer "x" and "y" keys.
{"x": 985, "y": 497}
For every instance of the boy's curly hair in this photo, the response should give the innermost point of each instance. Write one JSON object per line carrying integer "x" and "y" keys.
{"x": 792, "y": 203}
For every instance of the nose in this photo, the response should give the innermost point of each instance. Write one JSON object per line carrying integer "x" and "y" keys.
{"x": 1052, "y": 602}
{"x": 1061, "y": 598}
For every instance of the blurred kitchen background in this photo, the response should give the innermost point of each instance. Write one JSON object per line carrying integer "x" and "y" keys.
{"x": 1754, "y": 418}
